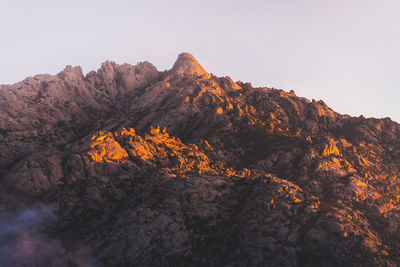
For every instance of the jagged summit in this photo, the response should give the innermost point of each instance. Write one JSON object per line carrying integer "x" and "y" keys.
{"x": 186, "y": 64}
{"x": 149, "y": 168}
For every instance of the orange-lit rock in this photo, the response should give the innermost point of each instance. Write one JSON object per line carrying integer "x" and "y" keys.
{"x": 331, "y": 149}
{"x": 104, "y": 147}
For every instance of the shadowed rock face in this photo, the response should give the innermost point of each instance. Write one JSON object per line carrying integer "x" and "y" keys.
{"x": 148, "y": 168}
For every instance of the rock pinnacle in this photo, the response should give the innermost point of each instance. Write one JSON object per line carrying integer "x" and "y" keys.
{"x": 186, "y": 64}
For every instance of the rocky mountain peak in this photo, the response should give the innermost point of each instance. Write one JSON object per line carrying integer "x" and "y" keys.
{"x": 71, "y": 72}
{"x": 186, "y": 64}
{"x": 175, "y": 168}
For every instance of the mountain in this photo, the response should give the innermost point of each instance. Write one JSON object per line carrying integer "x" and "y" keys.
{"x": 130, "y": 166}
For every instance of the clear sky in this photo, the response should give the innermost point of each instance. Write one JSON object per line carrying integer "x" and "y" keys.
{"x": 345, "y": 52}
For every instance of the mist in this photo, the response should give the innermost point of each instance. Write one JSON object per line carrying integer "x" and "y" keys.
{"x": 24, "y": 240}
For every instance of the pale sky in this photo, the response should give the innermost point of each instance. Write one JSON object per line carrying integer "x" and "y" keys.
{"x": 345, "y": 52}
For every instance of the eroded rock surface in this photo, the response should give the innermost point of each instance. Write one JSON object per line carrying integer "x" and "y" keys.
{"x": 180, "y": 168}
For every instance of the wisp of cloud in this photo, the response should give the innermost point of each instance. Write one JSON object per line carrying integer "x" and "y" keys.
{"x": 24, "y": 242}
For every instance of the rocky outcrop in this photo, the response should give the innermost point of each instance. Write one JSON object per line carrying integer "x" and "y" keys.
{"x": 187, "y": 65}
{"x": 184, "y": 168}
{"x": 45, "y": 111}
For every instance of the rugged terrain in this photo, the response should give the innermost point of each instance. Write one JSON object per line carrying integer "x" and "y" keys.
{"x": 130, "y": 166}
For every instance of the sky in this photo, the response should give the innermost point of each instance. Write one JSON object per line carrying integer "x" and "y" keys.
{"x": 345, "y": 52}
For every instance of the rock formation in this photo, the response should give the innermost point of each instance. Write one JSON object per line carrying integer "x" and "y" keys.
{"x": 180, "y": 168}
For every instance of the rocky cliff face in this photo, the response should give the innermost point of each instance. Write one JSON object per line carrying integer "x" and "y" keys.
{"x": 181, "y": 167}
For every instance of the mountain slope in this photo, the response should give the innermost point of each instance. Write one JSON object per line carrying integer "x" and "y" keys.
{"x": 181, "y": 167}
